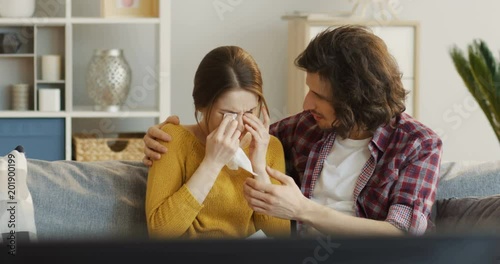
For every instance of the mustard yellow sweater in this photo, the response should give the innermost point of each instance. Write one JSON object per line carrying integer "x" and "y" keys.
{"x": 173, "y": 212}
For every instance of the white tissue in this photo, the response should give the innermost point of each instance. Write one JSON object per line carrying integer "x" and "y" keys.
{"x": 258, "y": 235}
{"x": 240, "y": 159}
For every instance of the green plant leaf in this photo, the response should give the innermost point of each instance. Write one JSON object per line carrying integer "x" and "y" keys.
{"x": 494, "y": 89}
{"x": 487, "y": 55}
{"x": 481, "y": 76}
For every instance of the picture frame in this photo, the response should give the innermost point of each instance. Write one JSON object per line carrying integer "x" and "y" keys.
{"x": 129, "y": 8}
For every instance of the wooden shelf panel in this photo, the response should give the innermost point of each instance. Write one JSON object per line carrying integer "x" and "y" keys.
{"x": 88, "y": 112}
{"x": 76, "y": 20}
{"x": 31, "y": 114}
{"x": 24, "y": 55}
{"x": 98, "y": 20}
{"x": 78, "y": 114}
{"x": 32, "y": 21}
{"x": 50, "y": 82}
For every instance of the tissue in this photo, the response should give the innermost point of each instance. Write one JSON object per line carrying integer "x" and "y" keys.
{"x": 240, "y": 160}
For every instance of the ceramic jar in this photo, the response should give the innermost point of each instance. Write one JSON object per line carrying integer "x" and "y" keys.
{"x": 17, "y": 8}
{"x": 9, "y": 43}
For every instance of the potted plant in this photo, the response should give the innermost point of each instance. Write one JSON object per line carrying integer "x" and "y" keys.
{"x": 480, "y": 72}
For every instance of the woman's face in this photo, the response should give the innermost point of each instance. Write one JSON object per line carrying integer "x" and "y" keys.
{"x": 235, "y": 101}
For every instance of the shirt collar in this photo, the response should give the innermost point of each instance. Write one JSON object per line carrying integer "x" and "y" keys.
{"x": 381, "y": 136}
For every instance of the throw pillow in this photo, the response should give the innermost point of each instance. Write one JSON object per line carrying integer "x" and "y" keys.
{"x": 17, "y": 220}
{"x": 468, "y": 214}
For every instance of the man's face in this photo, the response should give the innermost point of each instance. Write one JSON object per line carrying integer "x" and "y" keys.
{"x": 318, "y": 100}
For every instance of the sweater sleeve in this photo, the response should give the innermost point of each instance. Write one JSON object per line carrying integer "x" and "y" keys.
{"x": 273, "y": 226}
{"x": 170, "y": 206}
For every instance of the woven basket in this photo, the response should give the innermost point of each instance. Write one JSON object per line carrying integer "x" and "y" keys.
{"x": 89, "y": 147}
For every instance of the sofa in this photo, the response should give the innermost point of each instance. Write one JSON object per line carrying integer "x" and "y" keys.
{"x": 105, "y": 199}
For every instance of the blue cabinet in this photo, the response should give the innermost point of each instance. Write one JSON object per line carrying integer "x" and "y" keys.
{"x": 42, "y": 138}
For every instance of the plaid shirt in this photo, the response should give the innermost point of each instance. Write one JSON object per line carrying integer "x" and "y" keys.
{"x": 398, "y": 182}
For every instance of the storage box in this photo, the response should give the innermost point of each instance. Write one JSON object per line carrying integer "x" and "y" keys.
{"x": 42, "y": 138}
{"x": 121, "y": 146}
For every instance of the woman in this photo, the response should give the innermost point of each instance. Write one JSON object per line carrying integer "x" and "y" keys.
{"x": 190, "y": 191}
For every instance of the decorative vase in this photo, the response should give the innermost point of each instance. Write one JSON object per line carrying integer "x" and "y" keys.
{"x": 20, "y": 96}
{"x": 9, "y": 43}
{"x": 108, "y": 79}
{"x": 17, "y": 8}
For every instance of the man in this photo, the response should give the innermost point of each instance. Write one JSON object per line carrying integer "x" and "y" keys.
{"x": 364, "y": 166}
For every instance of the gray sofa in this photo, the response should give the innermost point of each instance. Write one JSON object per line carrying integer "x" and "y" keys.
{"x": 105, "y": 200}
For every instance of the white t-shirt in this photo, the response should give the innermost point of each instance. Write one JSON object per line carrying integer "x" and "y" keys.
{"x": 341, "y": 169}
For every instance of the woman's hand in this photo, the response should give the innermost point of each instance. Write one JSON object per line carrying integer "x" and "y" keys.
{"x": 260, "y": 140}
{"x": 153, "y": 148}
{"x": 222, "y": 143}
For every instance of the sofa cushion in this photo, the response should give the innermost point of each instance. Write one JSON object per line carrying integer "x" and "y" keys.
{"x": 88, "y": 200}
{"x": 468, "y": 179}
{"x": 468, "y": 214}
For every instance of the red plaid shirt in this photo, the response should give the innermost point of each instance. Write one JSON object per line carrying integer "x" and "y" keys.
{"x": 398, "y": 182}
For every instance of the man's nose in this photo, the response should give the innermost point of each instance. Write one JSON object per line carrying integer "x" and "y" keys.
{"x": 308, "y": 102}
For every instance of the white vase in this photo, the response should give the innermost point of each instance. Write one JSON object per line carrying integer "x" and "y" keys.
{"x": 17, "y": 8}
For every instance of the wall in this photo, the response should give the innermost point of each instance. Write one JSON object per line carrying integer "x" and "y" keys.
{"x": 445, "y": 105}
{"x": 255, "y": 25}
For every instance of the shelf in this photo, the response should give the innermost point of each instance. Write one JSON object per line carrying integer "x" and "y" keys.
{"x": 74, "y": 29}
{"x": 88, "y": 112}
{"x": 26, "y": 55}
{"x": 77, "y": 20}
{"x": 50, "y": 82}
{"x": 31, "y": 114}
{"x": 49, "y": 21}
{"x": 78, "y": 114}
{"x": 98, "y": 20}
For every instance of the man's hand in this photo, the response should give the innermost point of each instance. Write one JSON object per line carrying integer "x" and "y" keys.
{"x": 153, "y": 148}
{"x": 284, "y": 201}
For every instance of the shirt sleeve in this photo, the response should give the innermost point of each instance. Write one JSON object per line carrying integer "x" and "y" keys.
{"x": 415, "y": 190}
{"x": 284, "y": 130}
{"x": 273, "y": 226}
{"x": 170, "y": 206}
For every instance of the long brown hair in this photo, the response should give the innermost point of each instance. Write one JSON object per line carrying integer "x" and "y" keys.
{"x": 365, "y": 79}
{"x": 222, "y": 69}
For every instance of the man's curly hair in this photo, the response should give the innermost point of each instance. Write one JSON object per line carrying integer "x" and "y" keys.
{"x": 364, "y": 77}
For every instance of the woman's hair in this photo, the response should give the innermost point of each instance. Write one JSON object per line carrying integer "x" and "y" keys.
{"x": 364, "y": 78}
{"x": 223, "y": 69}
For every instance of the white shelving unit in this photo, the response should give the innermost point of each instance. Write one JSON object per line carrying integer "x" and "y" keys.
{"x": 401, "y": 38}
{"x": 73, "y": 30}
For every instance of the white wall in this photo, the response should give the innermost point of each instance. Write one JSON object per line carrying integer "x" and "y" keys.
{"x": 256, "y": 25}
{"x": 446, "y": 104}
